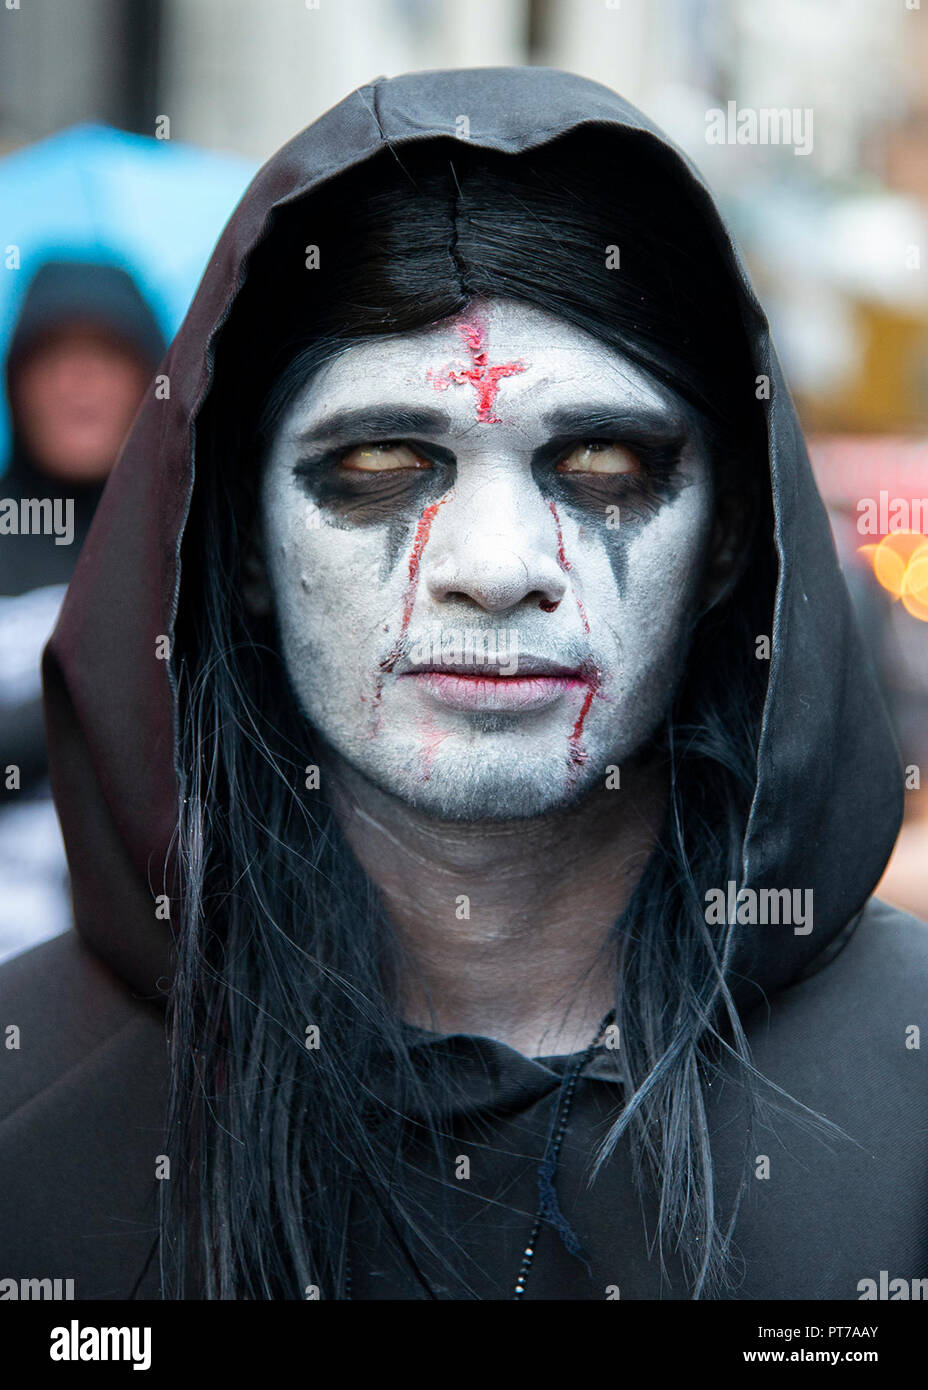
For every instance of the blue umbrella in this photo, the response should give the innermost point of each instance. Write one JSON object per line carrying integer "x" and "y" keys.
{"x": 154, "y": 207}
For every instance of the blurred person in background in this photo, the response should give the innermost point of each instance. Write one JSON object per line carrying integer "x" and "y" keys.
{"x": 84, "y": 348}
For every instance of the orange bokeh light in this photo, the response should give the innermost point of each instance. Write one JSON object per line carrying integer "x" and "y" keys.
{"x": 900, "y": 563}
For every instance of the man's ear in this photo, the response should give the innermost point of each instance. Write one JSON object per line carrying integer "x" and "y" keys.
{"x": 728, "y": 549}
{"x": 256, "y": 588}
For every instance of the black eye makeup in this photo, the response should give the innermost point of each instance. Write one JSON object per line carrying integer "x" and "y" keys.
{"x": 372, "y": 479}
{"x": 639, "y": 474}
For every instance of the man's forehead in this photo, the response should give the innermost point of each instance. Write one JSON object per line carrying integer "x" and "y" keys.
{"x": 499, "y": 357}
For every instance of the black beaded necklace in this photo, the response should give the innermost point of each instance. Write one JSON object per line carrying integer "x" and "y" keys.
{"x": 548, "y": 1165}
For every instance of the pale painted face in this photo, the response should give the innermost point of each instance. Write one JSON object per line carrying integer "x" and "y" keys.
{"x": 503, "y": 486}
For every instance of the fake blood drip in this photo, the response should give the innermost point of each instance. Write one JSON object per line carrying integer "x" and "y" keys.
{"x": 578, "y": 754}
{"x": 483, "y": 376}
{"x": 423, "y": 528}
{"x": 565, "y": 566}
{"x": 576, "y": 750}
{"x": 432, "y": 739}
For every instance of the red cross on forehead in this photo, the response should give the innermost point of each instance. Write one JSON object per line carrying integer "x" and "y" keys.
{"x": 481, "y": 374}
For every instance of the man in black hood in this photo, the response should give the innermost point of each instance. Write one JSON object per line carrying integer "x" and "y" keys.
{"x": 83, "y": 349}
{"x": 491, "y": 781}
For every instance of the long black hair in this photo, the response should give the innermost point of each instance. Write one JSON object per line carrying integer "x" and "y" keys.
{"x": 278, "y": 929}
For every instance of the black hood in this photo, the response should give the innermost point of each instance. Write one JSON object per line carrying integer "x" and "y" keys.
{"x": 828, "y": 798}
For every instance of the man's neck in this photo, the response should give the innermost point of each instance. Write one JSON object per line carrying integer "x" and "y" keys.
{"x": 506, "y": 925}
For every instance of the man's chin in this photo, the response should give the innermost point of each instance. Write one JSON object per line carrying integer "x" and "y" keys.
{"x": 465, "y": 794}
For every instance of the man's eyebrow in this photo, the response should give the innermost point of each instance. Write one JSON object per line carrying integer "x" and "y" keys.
{"x": 358, "y": 423}
{"x": 661, "y": 423}
{"x": 375, "y": 422}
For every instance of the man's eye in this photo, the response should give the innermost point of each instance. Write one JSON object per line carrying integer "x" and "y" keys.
{"x": 599, "y": 456}
{"x": 381, "y": 458}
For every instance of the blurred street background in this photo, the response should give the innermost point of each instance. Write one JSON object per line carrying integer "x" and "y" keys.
{"x": 117, "y": 94}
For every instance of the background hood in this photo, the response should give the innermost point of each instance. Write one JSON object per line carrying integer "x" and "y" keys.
{"x": 63, "y": 293}
{"x": 829, "y": 791}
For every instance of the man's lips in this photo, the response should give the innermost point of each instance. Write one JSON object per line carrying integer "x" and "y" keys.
{"x": 536, "y": 684}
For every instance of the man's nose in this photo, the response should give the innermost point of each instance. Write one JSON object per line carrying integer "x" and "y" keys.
{"x": 75, "y": 373}
{"x": 498, "y": 547}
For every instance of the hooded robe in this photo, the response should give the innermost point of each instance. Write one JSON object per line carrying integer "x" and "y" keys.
{"x": 829, "y": 1014}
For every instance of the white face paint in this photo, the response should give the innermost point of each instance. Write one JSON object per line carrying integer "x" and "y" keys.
{"x": 502, "y": 485}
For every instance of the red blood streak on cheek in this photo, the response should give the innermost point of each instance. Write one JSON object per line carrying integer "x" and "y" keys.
{"x": 561, "y": 555}
{"x": 423, "y": 530}
{"x": 582, "y": 611}
{"x": 566, "y": 567}
{"x": 483, "y": 375}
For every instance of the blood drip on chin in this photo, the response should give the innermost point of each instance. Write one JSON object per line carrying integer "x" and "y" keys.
{"x": 432, "y": 739}
{"x": 577, "y": 754}
{"x": 576, "y": 751}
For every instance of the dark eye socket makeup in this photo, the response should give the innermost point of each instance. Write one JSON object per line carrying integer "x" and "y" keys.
{"x": 595, "y": 455}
